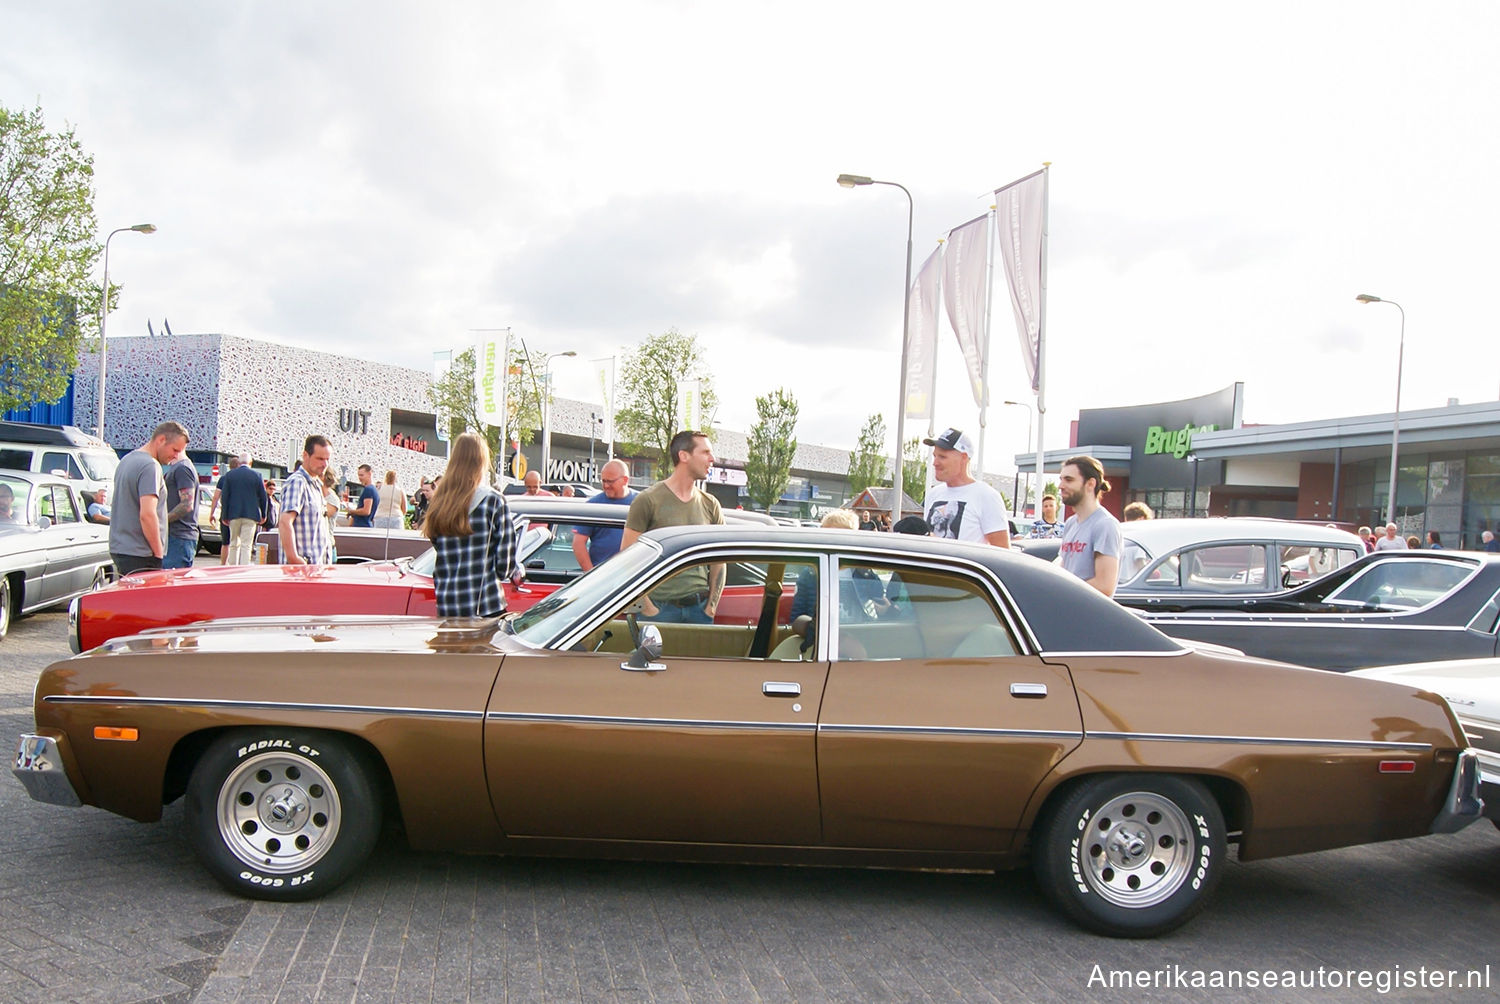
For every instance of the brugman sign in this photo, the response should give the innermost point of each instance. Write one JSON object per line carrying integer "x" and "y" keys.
{"x": 1177, "y": 442}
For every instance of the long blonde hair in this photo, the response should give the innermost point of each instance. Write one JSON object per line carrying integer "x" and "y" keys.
{"x": 448, "y": 515}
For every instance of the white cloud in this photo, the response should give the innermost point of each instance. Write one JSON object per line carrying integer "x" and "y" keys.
{"x": 380, "y": 179}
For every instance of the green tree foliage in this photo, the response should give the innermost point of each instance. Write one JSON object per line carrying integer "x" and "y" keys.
{"x": 914, "y": 471}
{"x": 773, "y": 444}
{"x": 646, "y": 418}
{"x": 48, "y": 245}
{"x": 454, "y": 395}
{"x": 868, "y": 464}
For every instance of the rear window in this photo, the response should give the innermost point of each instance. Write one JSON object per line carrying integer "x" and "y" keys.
{"x": 12, "y": 459}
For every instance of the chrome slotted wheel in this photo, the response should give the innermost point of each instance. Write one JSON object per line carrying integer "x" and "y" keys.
{"x": 1138, "y": 849}
{"x": 278, "y": 813}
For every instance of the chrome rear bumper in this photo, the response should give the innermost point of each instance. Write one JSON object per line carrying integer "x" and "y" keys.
{"x": 39, "y": 768}
{"x": 1463, "y": 804}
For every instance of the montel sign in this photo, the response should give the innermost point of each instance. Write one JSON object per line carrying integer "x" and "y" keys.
{"x": 1178, "y": 442}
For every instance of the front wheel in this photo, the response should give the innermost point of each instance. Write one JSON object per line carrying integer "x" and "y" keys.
{"x": 282, "y": 814}
{"x": 1131, "y": 856}
{"x": 4, "y": 606}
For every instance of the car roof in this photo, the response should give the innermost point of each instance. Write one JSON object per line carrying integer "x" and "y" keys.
{"x": 1160, "y": 536}
{"x": 37, "y": 478}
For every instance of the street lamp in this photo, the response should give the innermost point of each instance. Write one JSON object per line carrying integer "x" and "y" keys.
{"x": 547, "y": 410}
{"x": 1014, "y": 501}
{"x": 858, "y": 181}
{"x": 140, "y": 228}
{"x": 1396, "y": 419}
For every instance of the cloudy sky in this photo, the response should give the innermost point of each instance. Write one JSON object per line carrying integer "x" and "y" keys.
{"x": 378, "y": 179}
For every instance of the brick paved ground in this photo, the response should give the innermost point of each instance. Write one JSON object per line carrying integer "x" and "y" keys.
{"x": 97, "y": 908}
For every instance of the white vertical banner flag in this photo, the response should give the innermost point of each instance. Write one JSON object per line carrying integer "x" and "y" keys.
{"x": 1019, "y": 210}
{"x": 689, "y": 405}
{"x": 442, "y": 362}
{"x": 604, "y": 378}
{"x": 964, "y": 275}
{"x": 490, "y": 363}
{"x": 922, "y": 334}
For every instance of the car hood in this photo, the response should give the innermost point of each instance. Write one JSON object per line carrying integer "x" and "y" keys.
{"x": 365, "y": 573}
{"x": 273, "y": 637}
{"x": 1470, "y": 686}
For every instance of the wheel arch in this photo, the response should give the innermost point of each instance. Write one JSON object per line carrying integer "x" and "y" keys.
{"x": 1230, "y": 795}
{"x": 190, "y": 748}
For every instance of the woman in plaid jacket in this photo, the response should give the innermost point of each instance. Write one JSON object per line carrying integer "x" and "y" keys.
{"x": 470, "y": 528}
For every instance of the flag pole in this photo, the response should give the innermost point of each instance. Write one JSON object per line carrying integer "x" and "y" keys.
{"x": 1041, "y": 333}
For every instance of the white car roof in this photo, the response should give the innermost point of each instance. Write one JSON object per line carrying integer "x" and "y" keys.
{"x": 1162, "y": 536}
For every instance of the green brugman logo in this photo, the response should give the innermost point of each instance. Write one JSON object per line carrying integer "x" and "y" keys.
{"x": 1178, "y": 442}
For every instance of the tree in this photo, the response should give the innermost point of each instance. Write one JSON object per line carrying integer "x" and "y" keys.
{"x": 773, "y": 444}
{"x": 649, "y": 379}
{"x": 868, "y": 463}
{"x": 454, "y": 395}
{"x": 914, "y": 471}
{"x": 48, "y": 245}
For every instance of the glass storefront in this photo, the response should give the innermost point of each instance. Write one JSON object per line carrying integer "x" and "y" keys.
{"x": 1453, "y": 492}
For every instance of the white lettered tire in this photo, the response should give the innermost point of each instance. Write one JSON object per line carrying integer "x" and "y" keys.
{"x": 282, "y": 814}
{"x": 1131, "y": 855}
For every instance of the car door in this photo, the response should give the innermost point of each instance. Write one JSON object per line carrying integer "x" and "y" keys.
{"x": 937, "y": 724}
{"x": 713, "y": 741}
{"x": 72, "y": 541}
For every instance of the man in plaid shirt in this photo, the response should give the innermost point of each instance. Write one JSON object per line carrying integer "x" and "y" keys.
{"x": 304, "y": 530}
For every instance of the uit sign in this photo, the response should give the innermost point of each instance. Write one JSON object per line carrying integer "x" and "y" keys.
{"x": 1177, "y": 442}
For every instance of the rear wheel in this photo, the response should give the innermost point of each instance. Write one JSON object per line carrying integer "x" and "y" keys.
{"x": 1131, "y": 856}
{"x": 282, "y": 814}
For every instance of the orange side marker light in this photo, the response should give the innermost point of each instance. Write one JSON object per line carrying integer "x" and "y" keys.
{"x": 117, "y": 733}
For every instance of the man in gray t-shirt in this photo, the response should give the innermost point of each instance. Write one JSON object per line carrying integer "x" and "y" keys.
{"x": 1091, "y": 536}
{"x": 138, "y": 522}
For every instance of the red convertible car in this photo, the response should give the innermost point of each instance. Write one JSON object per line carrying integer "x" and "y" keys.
{"x": 160, "y": 599}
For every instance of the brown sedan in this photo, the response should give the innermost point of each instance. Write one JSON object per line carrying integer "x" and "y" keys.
{"x": 733, "y": 693}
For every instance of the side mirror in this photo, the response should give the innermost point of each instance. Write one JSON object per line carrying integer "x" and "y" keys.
{"x": 646, "y": 652}
{"x": 44, "y": 521}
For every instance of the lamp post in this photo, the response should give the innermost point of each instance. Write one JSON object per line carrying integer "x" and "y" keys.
{"x": 140, "y": 228}
{"x": 547, "y": 410}
{"x": 1390, "y": 512}
{"x": 858, "y": 181}
{"x": 1014, "y": 511}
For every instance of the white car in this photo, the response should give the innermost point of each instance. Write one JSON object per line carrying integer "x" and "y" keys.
{"x": 1472, "y": 689}
{"x": 1165, "y": 560}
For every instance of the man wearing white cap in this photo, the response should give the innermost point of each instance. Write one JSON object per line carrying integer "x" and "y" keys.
{"x": 959, "y": 507}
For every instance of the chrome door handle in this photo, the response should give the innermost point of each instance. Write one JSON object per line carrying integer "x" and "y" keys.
{"x": 1028, "y": 690}
{"x": 773, "y": 688}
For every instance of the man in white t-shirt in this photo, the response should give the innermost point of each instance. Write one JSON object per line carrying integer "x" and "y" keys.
{"x": 1392, "y": 541}
{"x": 958, "y": 507}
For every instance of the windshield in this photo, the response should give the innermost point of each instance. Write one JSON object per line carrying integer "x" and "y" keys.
{"x": 99, "y": 465}
{"x": 13, "y": 497}
{"x": 536, "y": 625}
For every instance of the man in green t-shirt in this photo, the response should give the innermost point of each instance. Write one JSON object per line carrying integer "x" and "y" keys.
{"x": 692, "y": 595}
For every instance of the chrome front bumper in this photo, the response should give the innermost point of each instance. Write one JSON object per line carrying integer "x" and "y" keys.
{"x": 39, "y": 768}
{"x": 1463, "y": 804}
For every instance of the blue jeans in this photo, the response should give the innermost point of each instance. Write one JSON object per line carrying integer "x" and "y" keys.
{"x": 668, "y": 613}
{"x": 180, "y": 551}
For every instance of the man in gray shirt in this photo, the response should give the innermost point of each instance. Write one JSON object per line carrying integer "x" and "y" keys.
{"x": 138, "y": 522}
{"x": 1091, "y": 536}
